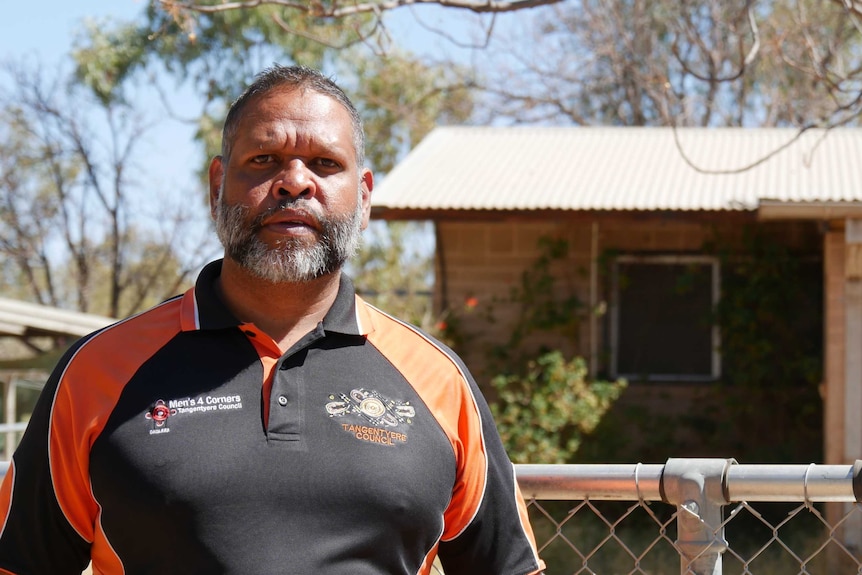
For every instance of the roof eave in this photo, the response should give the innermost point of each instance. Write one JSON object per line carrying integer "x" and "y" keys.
{"x": 814, "y": 210}
{"x": 550, "y": 214}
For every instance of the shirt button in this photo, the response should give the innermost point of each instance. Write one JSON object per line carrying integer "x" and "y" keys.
{"x": 282, "y": 400}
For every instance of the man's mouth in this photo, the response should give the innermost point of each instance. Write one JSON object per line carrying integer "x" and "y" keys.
{"x": 290, "y": 219}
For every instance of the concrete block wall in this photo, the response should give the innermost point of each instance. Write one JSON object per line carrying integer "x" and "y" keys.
{"x": 485, "y": 261}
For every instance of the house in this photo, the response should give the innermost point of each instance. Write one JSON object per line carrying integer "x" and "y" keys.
{"x": 640, "y": 210}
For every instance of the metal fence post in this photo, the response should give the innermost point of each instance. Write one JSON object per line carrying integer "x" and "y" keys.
{"x": 10, "y": 416}
{"x": 698, "y": 489}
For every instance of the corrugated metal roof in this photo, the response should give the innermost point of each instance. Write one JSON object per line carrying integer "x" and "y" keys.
{"x": 577, "y": 168}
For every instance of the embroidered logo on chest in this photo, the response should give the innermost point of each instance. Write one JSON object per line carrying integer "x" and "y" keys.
{"x": 376, "y": 414}
{"x": 159, "y": 415}
{"x": 161, "y": 411}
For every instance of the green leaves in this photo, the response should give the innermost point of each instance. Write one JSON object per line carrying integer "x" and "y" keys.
{"x": 543, "y": 414}
{"x": 108, "y": 52}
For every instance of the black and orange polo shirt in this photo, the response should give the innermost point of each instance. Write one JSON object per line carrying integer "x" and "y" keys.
{"x": 180, "y": 441}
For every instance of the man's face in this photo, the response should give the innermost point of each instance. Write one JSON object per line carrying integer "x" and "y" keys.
{"x": 290, "y": 202}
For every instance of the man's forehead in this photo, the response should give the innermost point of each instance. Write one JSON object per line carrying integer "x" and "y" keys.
{"x": 268, "y": 112}
{"x": 299, "y": 101}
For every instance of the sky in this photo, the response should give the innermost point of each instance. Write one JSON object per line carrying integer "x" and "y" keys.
{"x": 46, "y": 27}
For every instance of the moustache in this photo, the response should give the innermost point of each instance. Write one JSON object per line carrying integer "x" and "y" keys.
{"x": 296, "y": 206}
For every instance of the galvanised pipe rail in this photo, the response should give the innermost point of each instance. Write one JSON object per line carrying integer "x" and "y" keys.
{"x": 599, "y": 482}
{"x": 638, "y": 481}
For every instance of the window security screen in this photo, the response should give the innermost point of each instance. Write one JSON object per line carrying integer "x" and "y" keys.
{"x": 663, "y": 327}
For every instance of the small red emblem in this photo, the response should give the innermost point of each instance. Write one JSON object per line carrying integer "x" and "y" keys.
{"x": 160, "y": 413}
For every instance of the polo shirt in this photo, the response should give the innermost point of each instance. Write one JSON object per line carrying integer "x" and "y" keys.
{"x": 182, "y": 441}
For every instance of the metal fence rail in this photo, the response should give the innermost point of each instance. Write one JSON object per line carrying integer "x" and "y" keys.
{"x": 637, "y": 518}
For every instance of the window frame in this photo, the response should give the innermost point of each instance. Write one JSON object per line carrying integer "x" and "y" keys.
{"x": 715, "y": 335}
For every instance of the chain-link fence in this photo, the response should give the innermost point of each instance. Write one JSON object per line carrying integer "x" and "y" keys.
{"x": 696, "y": 516}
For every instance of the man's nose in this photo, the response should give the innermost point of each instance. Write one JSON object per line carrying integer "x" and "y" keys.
{"x": 295, "y": 180}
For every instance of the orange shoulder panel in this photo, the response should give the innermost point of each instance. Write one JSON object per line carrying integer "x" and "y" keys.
{"x": 87, "y": 393}
{"x": 444, "y": 387}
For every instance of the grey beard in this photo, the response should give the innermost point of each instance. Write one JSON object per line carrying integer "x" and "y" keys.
{"x": 291, "y": 261}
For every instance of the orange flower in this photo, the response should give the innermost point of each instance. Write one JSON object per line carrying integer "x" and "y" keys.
{"x": 471, "y": 302}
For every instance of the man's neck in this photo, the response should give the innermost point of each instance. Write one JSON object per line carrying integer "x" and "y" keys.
{"x": 284, "y": 311}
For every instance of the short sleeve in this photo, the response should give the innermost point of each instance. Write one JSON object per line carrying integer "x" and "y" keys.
{"x": 498, "y": 538}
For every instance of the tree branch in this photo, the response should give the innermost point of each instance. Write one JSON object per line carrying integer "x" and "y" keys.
{"x": 337, "y": 9}
{"x": 852, "y": 110}
{"x": 746, "y": 61}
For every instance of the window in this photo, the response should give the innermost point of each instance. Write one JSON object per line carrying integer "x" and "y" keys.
{"x": 661, "y": 318}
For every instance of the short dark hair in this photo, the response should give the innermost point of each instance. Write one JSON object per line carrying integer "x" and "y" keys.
{"x": 277, "y": 77}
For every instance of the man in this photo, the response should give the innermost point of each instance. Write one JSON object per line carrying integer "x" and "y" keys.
{"x": 267, "y": 421}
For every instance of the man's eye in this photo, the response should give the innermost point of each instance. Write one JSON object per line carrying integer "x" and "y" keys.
{"x": 262, "y": 159}
{"x": 327, "y": 163}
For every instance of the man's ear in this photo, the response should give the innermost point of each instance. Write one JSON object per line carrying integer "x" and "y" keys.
{"x": 366, "y": 185}
{"x": 216, "y": 175}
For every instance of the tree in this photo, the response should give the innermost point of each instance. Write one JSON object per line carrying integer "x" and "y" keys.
{"x": 694, "y": 63}
{"x": 217, "y": 53}
{"x": 72, "y": 235}
{"x": 335, "y": 9}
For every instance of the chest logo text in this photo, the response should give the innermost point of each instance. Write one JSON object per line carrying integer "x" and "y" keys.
{"x": 162, "y": 411}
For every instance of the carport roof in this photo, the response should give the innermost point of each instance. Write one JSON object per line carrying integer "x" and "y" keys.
{"x": 629, "y": 169}
{"x": 25, "y": 319}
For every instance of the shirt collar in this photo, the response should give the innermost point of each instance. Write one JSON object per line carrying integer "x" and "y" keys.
{"x": 349, "y": 314}
{"x": 204, "y": 309}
